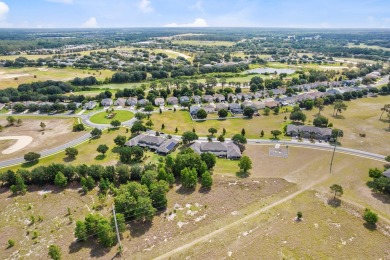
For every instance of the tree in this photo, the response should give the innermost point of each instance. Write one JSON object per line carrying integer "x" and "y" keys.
{"x": 60, "y": 180}
{"x": 42, "y": 125}
{"x": 212, "y": 131}
{"x": 387, "y": 158}
{"x": 320, "y": 121}
{"x": 102, "y": 149}
{"x": 105, "y": 233}
{"x": 140, "y": 115}
{"x": 149, "y": 108}
{"x": 201, "y": 114}
{"x": 11, "y": 243}
{"x": 245, "y": 164}
{"x": 19, "y": 185}
{"x": 149, "y": 124}
{"x": 11, "y": 120}
{"x": 87, "y": 183}
{"x": 189, "y": 177}
{"x": 162, "y": 126}
{"x": 337, "y": 133}
{"x": 210, "y": 159}
{"x": 276, "y": 110}
{"x": 338, "y": 107}
{"x": 266, "y": 111}
{"x": 276, "y": 133}
{"x": 158, "y": 191}
{"x": 299, "y": 215}
{"x": 32, "y": 157}
{"x": 207, "y": 180}
{"x": 137, "y": 127}
{"x": 298, "y": 116}
{"x": 221, "y": 138}
{"x": 249, "y": 112}
{"x": 189, "y": 137}
{"x": 54, "y": 252}
{"x": 375, "y": 173}
{"x": 239, "y": 139}
{"x": 96, "y": 133}
{"x": 319, "y": 103}
{"x": 222, "y": 113}
{"x": 78, "y": 127}
{"x": 370, "y": 217}
{"x": 71, "y": 152}
{"x": 120, "y": 140}
{"x": 262, "y": 133}
{"x": 115, "y": 123}
{"x": 337, "y": 190}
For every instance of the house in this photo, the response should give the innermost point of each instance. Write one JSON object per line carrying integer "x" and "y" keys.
{"x": 184, "y": 99}
{"x": 258, "y": 105}
{"x": 159, "y": 144}
{"x": 209, "y": 108}
{"x": 220, "y": 106}
{"x": 120, "y": 102}
{"x": 159, "y": 101}
{"x": 90, "y": 105}
{"x": 172, "y": 101}
{"x": 143, "y": 102}
{"x": 208, "y": 98}
{"x": 232, "y": 97}
{"x": 132, "y": 101}
{"x": 387, "y": 173}
{"x": 219, "y": 97}
{"x": 306, "y": 131}
{"x": 194, "y": 109}
{"x": 2, "y": 106}
{"x": 106, "y": 102}
{"x": 271, "y": 104}
{"x": 196, "y": 99}
{"x": 227, "y": 150}
{"x": 235, "y": 108}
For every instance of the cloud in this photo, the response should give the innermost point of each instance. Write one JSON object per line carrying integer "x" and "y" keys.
{"x": 61, "y": 1}
{"x": 199, "y": 22}
{"x": 145, "y": 6}
{"x": 4, "y": 9}
{"x": 198, "y": 6}
{"x": 90, "y": 23}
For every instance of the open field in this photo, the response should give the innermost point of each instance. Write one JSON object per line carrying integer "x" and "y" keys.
{"x": 11, "y": 77}
{"x": 362, "y": 45}
{"x": 120, "y": 115}
{"x": 253, "y": 127}
{"x": 58, "y": 131}
{"x": 204, "y": 43}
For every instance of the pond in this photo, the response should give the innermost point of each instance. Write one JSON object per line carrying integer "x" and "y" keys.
{"x": 271, "y": 71}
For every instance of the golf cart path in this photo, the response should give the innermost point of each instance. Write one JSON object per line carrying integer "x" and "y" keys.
{"x": 21, "y": 142}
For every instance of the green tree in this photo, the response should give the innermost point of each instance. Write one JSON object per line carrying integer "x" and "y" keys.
{"x": 262, "y": 133}
{"x": 221, "y": 138}
{"x": 149, "y": 124}
{"x": 276, "y": 133}
{"x": 267, "y": 111}
{"x": 71, "y": 152}
{"x": 207, "y": 180}
{"x": 189, "y": 137}
{"x": 320, "y": 121}
{"x": 87, "y": 183}
{"x": 120, "y": 140}
{"x": 338, "y": 107}
{"x": 148, "y": 178}
{"x": 96, "y": 133}
{"x": 140, "y": 115}
{"x": 243, "y": 132}
{"x": 298, "y": 116}
{"x": 81, "y": 231}
{"x": 239, "y": 139}
{"x": 19, "y": 185}
{"x": 54, "y": 252}
{"x": 337, "y": 190}
{"x": 149, "y": 108}
{"x": 210, "y": 159}
{"x": 60, "y": 180}
{"x": 189, "y": 177}
{"x": 222, "y": 113}
{"x": 370, "y": 217}
{"x": 158, "y": 191}
{"x": 105, "y": 233}
{"x": 78, "y": 128}
{"x": 42, "y": 125}
{"x": 137, "y": 127}
{"x": 212, "y": 131}
{"x": 11, "y": 120}
{"x": 276, "y": 110}
{"x": 115, "y": 123}
{"x": 102, "y": 149}
{"x": 32, "y": 157}
{"x": 299, "y": 215}
{"x": 375, "y": 173}
{"x": 11, "y": 243}
{"x": 249, "y": 112}
{"x": 201, "y": 114}
{"x": 319, "y": 103}
{"x": 245, "y": 164}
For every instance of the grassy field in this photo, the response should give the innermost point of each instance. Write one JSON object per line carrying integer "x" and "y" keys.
{"x": 11, "y": 77}
{"x": 253, "y": 127}
{"x": 362, "y": 45}
{"x": 204, "y": 43}
{"x": 121, "y": 115}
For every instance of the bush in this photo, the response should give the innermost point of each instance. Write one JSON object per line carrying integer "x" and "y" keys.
{"x": 78, "y": 128}
{"x": 31, "y": 156}
{"x": 11, "y": 243}
{"x": 55, "y": 252}
{"x": 370, "y": 217}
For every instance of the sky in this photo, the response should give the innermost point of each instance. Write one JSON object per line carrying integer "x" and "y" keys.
{"x": 194, "y": 13}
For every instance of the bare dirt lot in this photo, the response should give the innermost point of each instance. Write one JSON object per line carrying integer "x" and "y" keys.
{"x": 58, "y": 131}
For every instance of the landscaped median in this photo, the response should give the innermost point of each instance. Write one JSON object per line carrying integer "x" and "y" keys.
{"x": 106, "y": 117}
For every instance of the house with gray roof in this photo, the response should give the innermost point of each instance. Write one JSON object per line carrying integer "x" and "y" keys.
{"x": 159, "y": 144}
{"x": 194, "y": 109}
{"x": 219, "y": 97}
{"x": 387, "y": 173}
{"x": 159, "y": 101}
{"x": 235, "y": 108}
{"x": 209, "y": 108}
{"x": 172, "y": 101}
{"x": 233, "y": 97}
{"x": 143, "y": 102}
{"x": 106, "y": 102}
{"x": 120, "y": 102}
{"x": 306, "y": 131}
{"x": 196, "y": 99}
{"x": 132, "y": 101}
{"x": 90, "y": 105}
{"x": 2, "y": 106}
{"x": 220, "y": 106}
{"x": 227, "y": 150}
{"x": 208, "y": 98}
{"x": 184, "y": 99}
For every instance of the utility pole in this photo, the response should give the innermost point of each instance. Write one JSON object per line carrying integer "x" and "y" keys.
{"x": 334, "y": 151}
{"x": 116, "y": 228}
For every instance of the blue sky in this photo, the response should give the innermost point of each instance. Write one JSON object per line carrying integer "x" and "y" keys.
{"x": 195, "y": 13}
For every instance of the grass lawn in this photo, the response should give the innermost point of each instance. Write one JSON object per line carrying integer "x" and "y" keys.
{"x": 204, "y": 43}
{"x": 121, "y": 115}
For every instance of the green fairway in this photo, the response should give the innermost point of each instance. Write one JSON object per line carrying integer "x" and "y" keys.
{"x": 121, "y": 115}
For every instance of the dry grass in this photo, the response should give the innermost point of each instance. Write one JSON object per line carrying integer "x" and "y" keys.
{"x": 58, "y": 131}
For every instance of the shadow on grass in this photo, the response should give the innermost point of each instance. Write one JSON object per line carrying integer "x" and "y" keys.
{"x": 334, "y": 202}
{"x": 204, "y": 190}
{"x": 242, "y": 174}
{"x": 69, "y": 159}
{"x": 140, "y": 228}
{"x": 116, "y": 149}
{"x": 338, "y": 117}
{"x": 185, "y": 191}
{"x": 29, "y": 164}
{"x": 371, "y": 227}
{"x": 100, "y": 157}
{"x": 382, "y": 197}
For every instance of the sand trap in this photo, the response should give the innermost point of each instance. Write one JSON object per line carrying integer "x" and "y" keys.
{"x": 43, "y": 69}
{"x": 178, "y": 54}
{"x": 21, "y": 142}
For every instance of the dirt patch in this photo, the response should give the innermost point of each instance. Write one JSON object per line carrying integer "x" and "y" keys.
{"x": 4, "y": 75}
{"x": 58, "y": 131}
{"x": 21, "y": 142}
